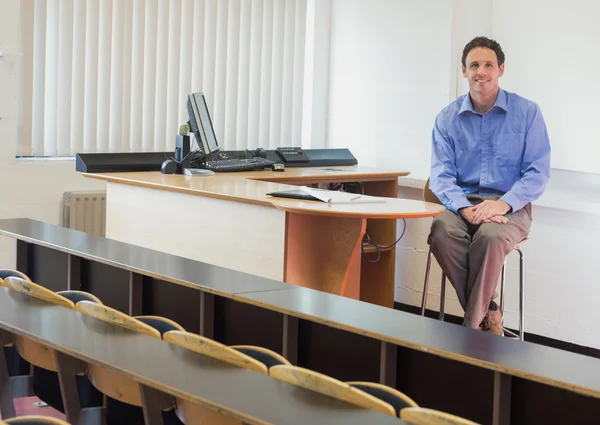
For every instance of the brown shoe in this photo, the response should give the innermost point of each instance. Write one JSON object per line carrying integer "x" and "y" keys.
{"x": 492, "y": 321}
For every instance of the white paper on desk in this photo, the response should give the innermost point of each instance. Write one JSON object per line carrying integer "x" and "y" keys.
{"x": 337, "y": 197}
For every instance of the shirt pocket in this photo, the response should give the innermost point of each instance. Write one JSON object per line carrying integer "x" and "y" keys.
{"x": 508, "y": 151}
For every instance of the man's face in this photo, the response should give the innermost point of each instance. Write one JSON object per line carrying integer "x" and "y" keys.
{"x": 482, "y": 70}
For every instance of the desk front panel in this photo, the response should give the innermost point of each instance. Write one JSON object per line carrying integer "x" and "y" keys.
{"x": 236, "y": 235}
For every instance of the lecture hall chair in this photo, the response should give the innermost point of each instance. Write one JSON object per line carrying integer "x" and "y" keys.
{"x": 34, "y": 420}
{"x": 392, "y": 396}
{"x": 4, "y": 273}
{"x": 429, "y": 196}
{"x": 371, "y": 396}
{"x": 422, "y": 416}
{"x": 45, "y": 377}
{"x": 250, "y": 357}
{"x": 123, "y": 399}
{"x": 17, "y": 366}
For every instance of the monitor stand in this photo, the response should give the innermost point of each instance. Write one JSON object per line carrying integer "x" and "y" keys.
{"x": 197, "y": 172}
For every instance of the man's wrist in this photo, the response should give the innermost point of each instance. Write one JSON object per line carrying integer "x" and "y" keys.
{"x": 506, "y": 205}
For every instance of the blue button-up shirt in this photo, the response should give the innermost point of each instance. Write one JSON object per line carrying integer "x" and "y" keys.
{"x": 505, "y": 152}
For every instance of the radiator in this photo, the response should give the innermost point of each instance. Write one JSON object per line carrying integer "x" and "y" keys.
{"x": 85, "y": 211}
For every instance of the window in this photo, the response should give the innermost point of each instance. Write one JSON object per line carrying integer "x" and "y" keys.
{"x": 113, "y": 75}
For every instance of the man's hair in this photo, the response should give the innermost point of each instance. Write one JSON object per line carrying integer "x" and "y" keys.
{"x": 483, "y": 42}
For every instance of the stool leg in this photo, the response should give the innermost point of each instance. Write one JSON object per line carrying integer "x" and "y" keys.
{"x": 443, "y": 296}
{"x": 426, "y": 284}
{"x": 502, "y": 284}
{"x": 521, "y": 295}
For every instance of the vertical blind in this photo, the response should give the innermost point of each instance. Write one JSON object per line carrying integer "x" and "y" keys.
{"x": 114, "y": 75}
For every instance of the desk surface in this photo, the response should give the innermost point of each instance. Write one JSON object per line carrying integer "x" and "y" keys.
{"x": 523, "y": 359}
{"x": 250, "y": 187}
{"x": 247, "y": 395}
{"x": 391, "y": 208}
{"x": 170, "y": 268}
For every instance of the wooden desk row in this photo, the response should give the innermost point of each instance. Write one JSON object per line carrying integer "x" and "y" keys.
{"x": 227, "y": 219}
{"x": 476, "y": 375}
{"x": 159, "y": 366}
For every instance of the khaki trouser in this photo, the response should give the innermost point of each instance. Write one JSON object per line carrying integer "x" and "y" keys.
{"x": 472, "y": 256}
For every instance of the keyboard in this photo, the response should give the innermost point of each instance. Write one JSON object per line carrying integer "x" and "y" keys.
{"x": 245, "y": 164}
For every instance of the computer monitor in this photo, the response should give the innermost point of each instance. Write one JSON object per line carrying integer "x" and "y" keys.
{"x": 201, "y": 124}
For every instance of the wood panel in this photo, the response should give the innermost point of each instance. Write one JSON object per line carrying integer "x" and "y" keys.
{"x": 535, "y": 403}
{"x": 248, "y": 187}
{"x": 447, "y": 385}
{"x": 323, "y": 253}
{"x": 377, "y": 278}
{"x": 382, "y": 231}
{"x": 174, "y": 302}
{"x": 240, "y": 236}
{"x": 342, "y": 355}
{"x": 243, "y": 324}
{"x": 48, "y": 267}
{"x": 146, "y": 262}
{"x": 110, "y": 284}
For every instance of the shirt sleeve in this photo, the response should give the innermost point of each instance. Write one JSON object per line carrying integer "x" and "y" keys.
{"x": 443, "y": 181}
{"x": 535, "y": 166}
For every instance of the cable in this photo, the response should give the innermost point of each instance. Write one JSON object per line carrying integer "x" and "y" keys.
{"x": 362, "y": 188}
{"x": 367, "y": 241}
{"x": 348, "y": 187}
{"x": 370, "y": 242}
{"x": 400, "y": 237}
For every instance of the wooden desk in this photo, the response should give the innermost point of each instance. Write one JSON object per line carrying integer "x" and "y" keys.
{"x": 481, "y": 349}
{"x": 323, "y": 245}
{"x": 243, "y": 394}
{"x": 228, "y": 220}
{"x": 169, "y": 268}
{"x": 435, "y": 363}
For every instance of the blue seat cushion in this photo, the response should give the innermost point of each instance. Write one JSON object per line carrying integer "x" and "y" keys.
{"x": 47, "y": 388}
{"x": 7, "y": 273}
{"x": 264, "y": 358}
{"x": 76, "y": 297}
{"x": 159, "y": 325}
{"x": 119, "y": 413}
{"x": 397, "y": 403}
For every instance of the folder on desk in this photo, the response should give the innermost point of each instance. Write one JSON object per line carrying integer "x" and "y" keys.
{"x": 328, "y": 196}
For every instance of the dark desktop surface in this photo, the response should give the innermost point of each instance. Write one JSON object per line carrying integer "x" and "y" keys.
{"x": 151, "y": 161}
{"x": 115, "y": 162}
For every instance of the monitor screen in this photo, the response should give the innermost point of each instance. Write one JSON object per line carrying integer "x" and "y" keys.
{"x": 201, "y": 124}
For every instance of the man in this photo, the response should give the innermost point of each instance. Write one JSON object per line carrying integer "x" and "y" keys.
{"x": 490, "y": 160}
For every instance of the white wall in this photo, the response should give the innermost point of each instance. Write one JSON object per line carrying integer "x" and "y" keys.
{"x": 388, "y": 78}
{"x": 29, "y": 188}
{"x": 376, "y": 65}
{"x": 555, "y": 62}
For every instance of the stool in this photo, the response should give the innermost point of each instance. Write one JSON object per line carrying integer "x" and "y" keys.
{"x": 429, "y": 196}
{"x": 502, "y": 285}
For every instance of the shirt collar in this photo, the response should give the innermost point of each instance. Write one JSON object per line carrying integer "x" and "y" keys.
{"x": 500, "y": 102}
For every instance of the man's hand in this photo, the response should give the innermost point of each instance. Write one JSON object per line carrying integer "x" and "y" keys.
{"x": 484, "y": 212}
{"x": 469, "y": 215}
{"x": 500, "y": 219}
